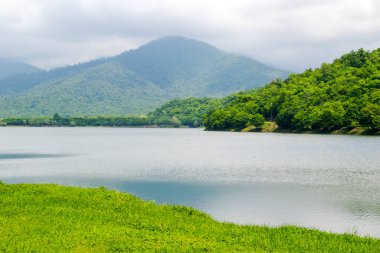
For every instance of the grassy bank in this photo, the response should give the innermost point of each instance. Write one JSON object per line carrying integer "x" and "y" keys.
{"x": 51, "y": 218}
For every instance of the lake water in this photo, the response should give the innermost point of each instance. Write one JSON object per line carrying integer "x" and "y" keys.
{"x": 321, "y": 181}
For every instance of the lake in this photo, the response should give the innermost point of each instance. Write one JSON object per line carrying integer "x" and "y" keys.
{"x": 326, "y": 182}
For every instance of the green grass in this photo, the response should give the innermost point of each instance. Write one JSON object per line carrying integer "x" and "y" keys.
{"x": 51, "y": 218}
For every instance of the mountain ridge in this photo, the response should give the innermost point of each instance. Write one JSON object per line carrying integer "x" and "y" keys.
{"x": 135, "y": 81}
{"x": 11, "y": 67}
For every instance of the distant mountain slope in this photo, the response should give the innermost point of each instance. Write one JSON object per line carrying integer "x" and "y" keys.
{"x": 100, "y": 90}
{"x": 9, "y": 68}
{"x": 133, "y": 82}
{"x": 193, "y": 68}
{"x": 24, "y": 81}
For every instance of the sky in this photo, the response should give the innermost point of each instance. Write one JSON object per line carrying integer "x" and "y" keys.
{"x": 288, "y": 34}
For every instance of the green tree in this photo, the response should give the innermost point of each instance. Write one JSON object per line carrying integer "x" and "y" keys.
{"x": 174, "y": 121}
{"x": 331, "y": 115}
{"x": 257, "y": 120}
{"x": 371, "y": 116}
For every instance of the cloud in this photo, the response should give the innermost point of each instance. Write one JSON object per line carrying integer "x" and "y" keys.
{"x": 291, "y": 34}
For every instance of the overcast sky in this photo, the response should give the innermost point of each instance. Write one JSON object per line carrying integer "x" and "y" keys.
{"x": 290, "y": 34}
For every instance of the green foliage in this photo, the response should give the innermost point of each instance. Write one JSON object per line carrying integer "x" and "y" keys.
{"x": 256, "y": 120}
{"x": 135, "y": 82}
{"x": 175, "y": 122}
{"x": 50, "y": 218}
{"x": 370, "y": 116}
{"x": 344, "y": 94}
{"x": 223, "y": 119}
{"x": 218, "y": 120}
{"x": 57, "y": 120}
{"x": 187, "y": 112}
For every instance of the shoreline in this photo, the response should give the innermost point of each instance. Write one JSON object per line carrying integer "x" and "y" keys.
{"x": 97, "y": 219}
{"x": 272, "y": 127}
{"x": 353, "y": 132}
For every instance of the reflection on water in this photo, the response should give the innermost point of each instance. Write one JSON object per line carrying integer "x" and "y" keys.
{"x": 326, "y": 182}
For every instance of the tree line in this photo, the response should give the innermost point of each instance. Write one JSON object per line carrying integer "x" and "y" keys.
{"x": 343, "y": 94}
{"x": 57, "y": 120}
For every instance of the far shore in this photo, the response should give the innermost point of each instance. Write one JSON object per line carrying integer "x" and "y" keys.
{"x": 267, "y": 128}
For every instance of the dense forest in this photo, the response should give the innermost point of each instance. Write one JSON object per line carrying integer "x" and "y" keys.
{"x": 57, "y": 120}
{"x": 343, "y": 94}
{"x": 185, "y": 112}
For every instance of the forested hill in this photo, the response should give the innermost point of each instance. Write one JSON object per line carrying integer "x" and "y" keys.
{"x": 10, "y": 67}
{"x": 133, "y": 82}
{"x": 343, "y": 94}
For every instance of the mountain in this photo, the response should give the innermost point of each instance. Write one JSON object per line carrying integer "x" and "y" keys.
{"x": 136, "y": 81}
{"x": 10, "y": 67}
